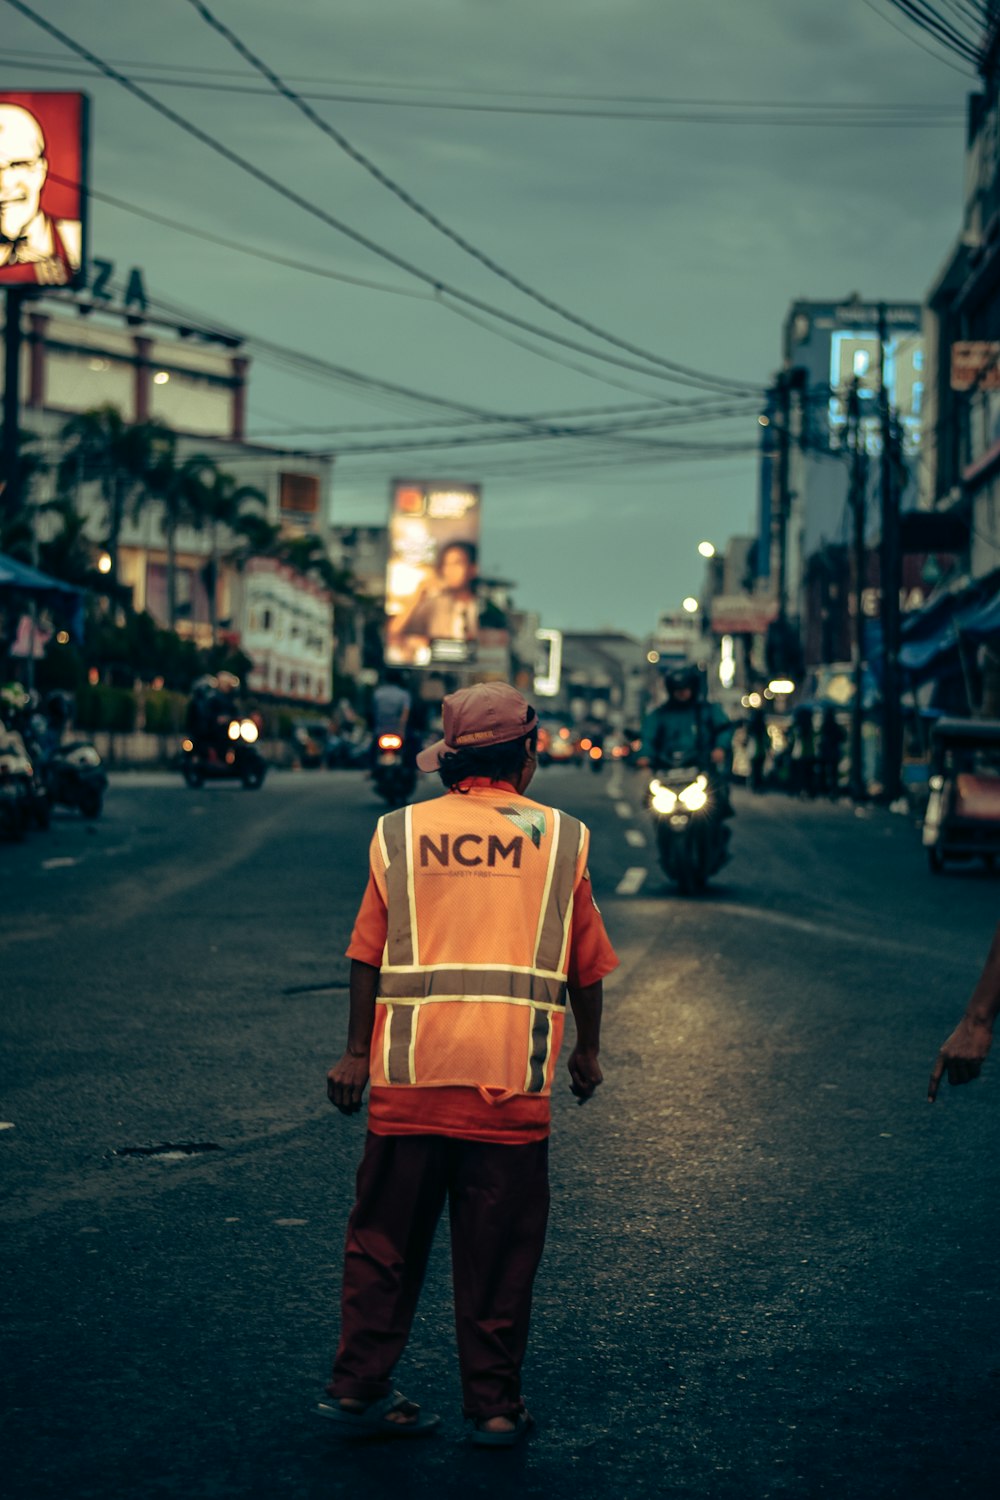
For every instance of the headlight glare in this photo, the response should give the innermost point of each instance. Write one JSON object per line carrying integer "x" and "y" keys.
{"x": 694, "y": 797}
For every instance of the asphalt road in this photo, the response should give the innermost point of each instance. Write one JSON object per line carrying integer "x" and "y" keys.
{"x": 772, "y": 1267}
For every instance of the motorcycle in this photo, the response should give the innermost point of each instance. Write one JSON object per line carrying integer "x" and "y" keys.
{"x": 75, "y": 777}
{"x": 23, "y": 790}
{"x": 692, "y": 840}
{"x": 235, "y": 759}
{"x": 393, "y": 776}
{"x": 15, "y": 782}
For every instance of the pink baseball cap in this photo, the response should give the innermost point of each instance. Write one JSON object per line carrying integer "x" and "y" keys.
{"x": 488, "y": 713}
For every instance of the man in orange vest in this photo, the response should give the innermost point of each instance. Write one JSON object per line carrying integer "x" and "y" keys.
{"x": 476, "y": 925}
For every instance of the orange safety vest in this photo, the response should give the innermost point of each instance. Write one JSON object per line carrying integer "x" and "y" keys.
{"x": 472, "y": 989}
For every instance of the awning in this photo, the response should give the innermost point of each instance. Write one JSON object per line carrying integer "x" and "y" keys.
{"x": 28, "y": 580}
{"x": 934, "y": 632}
{"x": 23, "y": 582}
{"x": 983, "y": 622}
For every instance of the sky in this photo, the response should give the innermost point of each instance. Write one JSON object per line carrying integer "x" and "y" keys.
{"x": 686, "y": 237}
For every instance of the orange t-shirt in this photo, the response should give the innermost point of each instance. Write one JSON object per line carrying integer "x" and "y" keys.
{"x": 464, "y": 1112}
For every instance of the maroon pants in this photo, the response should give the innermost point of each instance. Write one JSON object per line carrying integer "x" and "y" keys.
{"x": 498, "y": 1200}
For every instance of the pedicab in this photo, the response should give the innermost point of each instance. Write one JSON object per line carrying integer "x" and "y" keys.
{"x": 962, "y": 821}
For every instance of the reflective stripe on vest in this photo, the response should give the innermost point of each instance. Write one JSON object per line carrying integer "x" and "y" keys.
{"x": 521, "y": 1006}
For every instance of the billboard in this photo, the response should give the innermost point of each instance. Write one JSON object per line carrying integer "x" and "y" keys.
{"x": 975, "y": 365}
{"x": 431, "y": 603}
{"x": 43, "y": 188}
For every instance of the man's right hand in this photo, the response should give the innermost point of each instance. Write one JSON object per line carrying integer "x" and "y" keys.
{"x": 585, "y": 1073}
{"x": 962, "y": 1054}
{"x": 345, "y": 1083}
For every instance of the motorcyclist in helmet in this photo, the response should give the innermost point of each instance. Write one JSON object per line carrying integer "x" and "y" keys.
{"x": 684, "y": 723}
{"x": 212, "y": 707}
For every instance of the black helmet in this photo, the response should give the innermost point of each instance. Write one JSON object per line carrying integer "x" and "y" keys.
{"x": 679, "y": 679}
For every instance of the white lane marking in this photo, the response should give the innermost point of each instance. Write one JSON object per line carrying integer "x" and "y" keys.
{"x": 6, "y": 1124}
{"x": 631, "y": 881}
{"x": 623, "y": 810}
{"x": 635, "y": 837}
{"x": 60, "y": 864}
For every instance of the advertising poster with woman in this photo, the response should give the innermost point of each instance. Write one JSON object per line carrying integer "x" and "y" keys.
{"x": 432, "y": 607}
{"x": 43, "y": 188}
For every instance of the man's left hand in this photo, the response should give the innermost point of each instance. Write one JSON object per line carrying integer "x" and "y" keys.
{"x": 585, "y": 1073}
{"x": 345, "y": 1083}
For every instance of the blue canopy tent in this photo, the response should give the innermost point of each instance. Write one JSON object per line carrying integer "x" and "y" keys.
{"x": 27, "y": 584}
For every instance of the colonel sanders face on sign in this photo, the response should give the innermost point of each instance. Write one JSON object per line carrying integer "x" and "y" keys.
{"x": 28, "y": 235}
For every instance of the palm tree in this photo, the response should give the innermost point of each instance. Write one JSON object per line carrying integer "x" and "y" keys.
{"x": 102, "y": 448}
{"x": 224, "y": 505}
{"x": 183, "y": 490}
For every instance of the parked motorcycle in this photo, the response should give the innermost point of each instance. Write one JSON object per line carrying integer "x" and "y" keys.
{"x": 234, "y": 759}
{"x": 692, "y": 840}
{"x": 394, "y": 776}
{"x": 75, "y": 777}
{"x": 23, "y": 789}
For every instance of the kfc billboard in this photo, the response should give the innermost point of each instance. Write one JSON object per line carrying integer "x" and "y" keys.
{"x": 43, "y": 188}
{"x": 431, "y": 604}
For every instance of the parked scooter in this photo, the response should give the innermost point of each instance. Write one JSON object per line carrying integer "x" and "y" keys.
{"x": 394, "y": 776}
{"x": 71, "y": 772}
{"x": 692, "y": 840}
{"x": 75, "y": 777}
{"x": 234, "y": 759}
{"x": 25, "y": 794}
{"x": 16, "y": 777}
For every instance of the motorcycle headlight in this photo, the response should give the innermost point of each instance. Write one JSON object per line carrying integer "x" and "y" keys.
{"x": 654, "y": 786}
{"x": 234, "y": 730}
{"x": 249, "y": 732}
{"x": 664, "y": 800}
{"x": 390, "y": 742}
{"x": 695, "y": 796}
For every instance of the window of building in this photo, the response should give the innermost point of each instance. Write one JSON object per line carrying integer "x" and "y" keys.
{"x": 298, "y": 494}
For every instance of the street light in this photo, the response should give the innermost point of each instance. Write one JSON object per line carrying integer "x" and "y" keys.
{"x": 707, "y": 549}
{"x": 104, "y": 563}
{"x": 690, "y": 604}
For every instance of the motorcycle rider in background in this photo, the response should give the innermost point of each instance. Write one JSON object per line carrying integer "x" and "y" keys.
{"x": 686, "y": 724}
{"x": 392, "y": 706}
{"x": 212, "y": 708}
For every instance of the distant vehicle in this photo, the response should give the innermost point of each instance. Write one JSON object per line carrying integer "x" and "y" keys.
{"x": 235, "y": 759}
{"x": 309, "y": 742}
{"x": 689, "y": 811}
{"x": 962, "y": 820}
{"x": 348, "y": 752}
{"x": 394, "y": 774}
{"x": 557, "y": 744}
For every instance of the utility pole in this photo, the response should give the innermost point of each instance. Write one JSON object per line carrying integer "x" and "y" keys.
{"x": 857, "y": 491}
{"x": 9, "y": 500}
{"x": 891, "y": 581}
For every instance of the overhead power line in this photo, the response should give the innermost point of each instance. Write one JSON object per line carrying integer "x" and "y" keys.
{"x": 205, "y": 76}
{"x": 967, "y": 29}
{"x": 662, "y": 369}
{"x": 428, "y": 215}
{"x": 313, "y": 367}
{"x": 830, "y": 115}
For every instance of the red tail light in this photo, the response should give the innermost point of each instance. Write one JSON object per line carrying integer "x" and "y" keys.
{"x": 390, "y": 742}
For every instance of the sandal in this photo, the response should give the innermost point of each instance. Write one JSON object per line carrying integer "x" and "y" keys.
{"x": 484, "y": 1437}
{"x": 375, "y": 1420}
